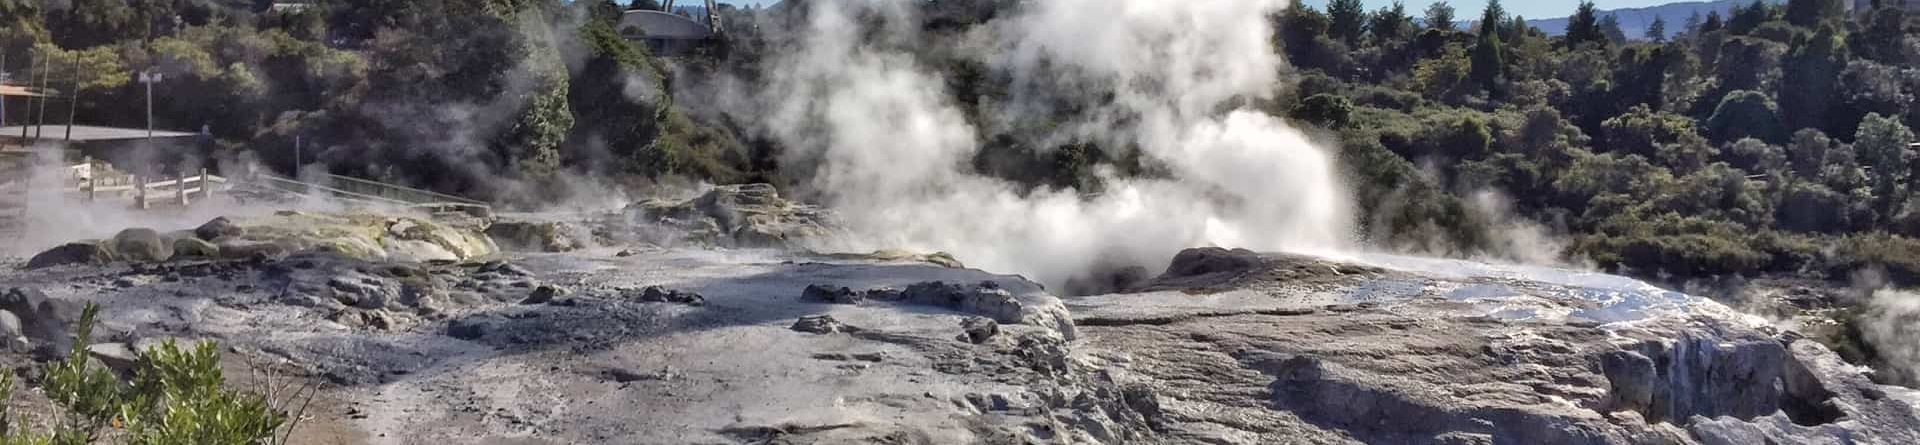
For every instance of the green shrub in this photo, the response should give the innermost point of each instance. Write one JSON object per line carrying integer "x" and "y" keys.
{"x": 175, "y": 398}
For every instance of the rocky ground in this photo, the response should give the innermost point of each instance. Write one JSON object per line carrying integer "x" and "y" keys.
{"x": 585, "y": 330}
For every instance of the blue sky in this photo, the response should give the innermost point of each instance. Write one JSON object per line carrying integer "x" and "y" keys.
{"x": 1465, "y": 9}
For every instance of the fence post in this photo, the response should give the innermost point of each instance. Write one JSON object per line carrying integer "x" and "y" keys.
{"x": 180, "y": 188}
{"x": 139, "y": 192}
{"x": 206, "y": 186}
{"x": 93, "y": 179}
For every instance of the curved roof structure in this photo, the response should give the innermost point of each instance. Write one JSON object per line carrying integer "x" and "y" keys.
{"x": 656, "y": 25}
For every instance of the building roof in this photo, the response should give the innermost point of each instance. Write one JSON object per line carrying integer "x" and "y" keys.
{"x": 17, "y": 91}
{"x": 656, "y": 25}
{"x": 89, "y": 133}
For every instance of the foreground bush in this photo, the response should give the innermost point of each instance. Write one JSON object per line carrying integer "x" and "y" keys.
{"x": 175, "y": 397}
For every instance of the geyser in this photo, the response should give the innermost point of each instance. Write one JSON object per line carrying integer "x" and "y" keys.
{"x": 1171, "y": 78}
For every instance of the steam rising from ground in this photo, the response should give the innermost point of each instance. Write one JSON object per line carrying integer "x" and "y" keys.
{"x": 891, "y": 150}
{"x": 1890, "y": 321}
{"x": 55, "y": 213}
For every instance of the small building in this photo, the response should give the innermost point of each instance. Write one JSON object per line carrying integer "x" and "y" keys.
{"x": 129, "y": 149}
{"x": 1864, "y": 6}
{"x": 667, "y": 33}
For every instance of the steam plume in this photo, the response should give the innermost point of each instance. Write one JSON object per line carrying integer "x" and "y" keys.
{"x": 891, "y": 150}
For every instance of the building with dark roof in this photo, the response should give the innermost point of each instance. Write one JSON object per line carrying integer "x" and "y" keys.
{"x": 667, "y": 33}
{"x": 129, "y": 149}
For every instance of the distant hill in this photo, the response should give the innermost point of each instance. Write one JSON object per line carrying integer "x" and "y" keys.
{"x": 1634, "y": 21}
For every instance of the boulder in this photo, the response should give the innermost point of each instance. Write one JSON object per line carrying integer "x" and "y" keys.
{"x": 363, "y": 292}
{"x": 142, "y": 245}
{"x": 749, "y": 215}
{"x": 219, "y": 227}
{"x": 536, "y": 236}
{"x": 821, "y": 324}
{"x": 657, "y": 294}
{"x": 544, "y": 294}
{"x": 1213, "y": 260}
{"x": 244, "y": 249}
{"x": 986, "y": 298}
{"x": 473, "y": 328}
{"x": 45, "y": 321}
{"x": 194, "y": 248}
{"x": 828, "y": 294}
{"x": 80, "y": 252}
{"x": 978, "y": 329}
{"x": 119, "y": 357}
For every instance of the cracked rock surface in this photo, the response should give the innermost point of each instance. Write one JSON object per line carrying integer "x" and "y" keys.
{"x": 620, "y": 344}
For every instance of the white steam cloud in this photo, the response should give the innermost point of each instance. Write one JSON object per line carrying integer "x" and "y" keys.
{"x": 1169, "y": 77}
{"x": 1890, "y": 321}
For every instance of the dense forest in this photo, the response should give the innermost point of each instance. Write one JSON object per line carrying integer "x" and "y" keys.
{"x": 1773, "y": 139}
{"x": 1776, "y": 138}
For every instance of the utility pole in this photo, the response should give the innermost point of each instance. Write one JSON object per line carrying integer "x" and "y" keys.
{"x": 46, "y": 81}
{"x": 3, "y": 78}
{"x": 147, "y": 76}
{"x": 75, "y": 103}
{"x": 23, "y": 124}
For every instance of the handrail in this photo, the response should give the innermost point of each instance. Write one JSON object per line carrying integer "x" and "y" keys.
{"x": 440, "y": 197}
{"x": 360, "y": 196}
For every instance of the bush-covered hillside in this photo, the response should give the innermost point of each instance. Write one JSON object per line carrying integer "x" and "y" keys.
{"x": 1775, "y": 138}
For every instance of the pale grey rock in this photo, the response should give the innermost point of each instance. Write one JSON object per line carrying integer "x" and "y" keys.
{"x": 117, "y": 356}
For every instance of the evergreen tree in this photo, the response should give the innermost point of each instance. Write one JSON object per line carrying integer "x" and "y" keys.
{"x": 1439, "y": 16}
{"x": 1584, "y": 26}
{"x": 1348, "y": 21}
{"x": 1713, "y": 23}
{"x": 1610, "y": 26}
{"x": 1810, "y": 13}
{"x": 1657, "y": 31}
{"x": 1746, "y": 19}
{"x": 1489, "y": 54}
{"x": 1391, "y": 23}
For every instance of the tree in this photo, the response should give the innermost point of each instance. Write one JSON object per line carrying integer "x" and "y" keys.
{"x": 1884, "y": 38}
{"x": 1811, "y": 13}
{"x": 1885, "y": 145}
{"x": 1584, "y": 26}
{"x": 1745, "y": 114}
{"x": 1670, "y": 138}
{"x": 1347, "y": 20}
{"x": 1808, "y": 152}
{"x": 1810, "y": 73}
{"x": 1657, "y": 31}
{"x": 1439, "y": 16}
{"x": 1639, "y": 76}
{"x": 1748, "y": 63}
{"x": 1866, "y": 87}
{"x": 1391, "y": 23}
{"x": 1325, "y": 110}
{"x": 650, "y": 5}
{"x": 1746, "y": 19}
{"x": 1610, "y": 26}
{"x": 1713, "y": 24}
{"x": 1489, "y": 55}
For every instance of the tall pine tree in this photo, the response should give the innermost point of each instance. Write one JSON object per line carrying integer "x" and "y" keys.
{"x": 1349, "y": 20}
{"x": 1489, "y": 54}
{"x": 1584, "y": 26}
